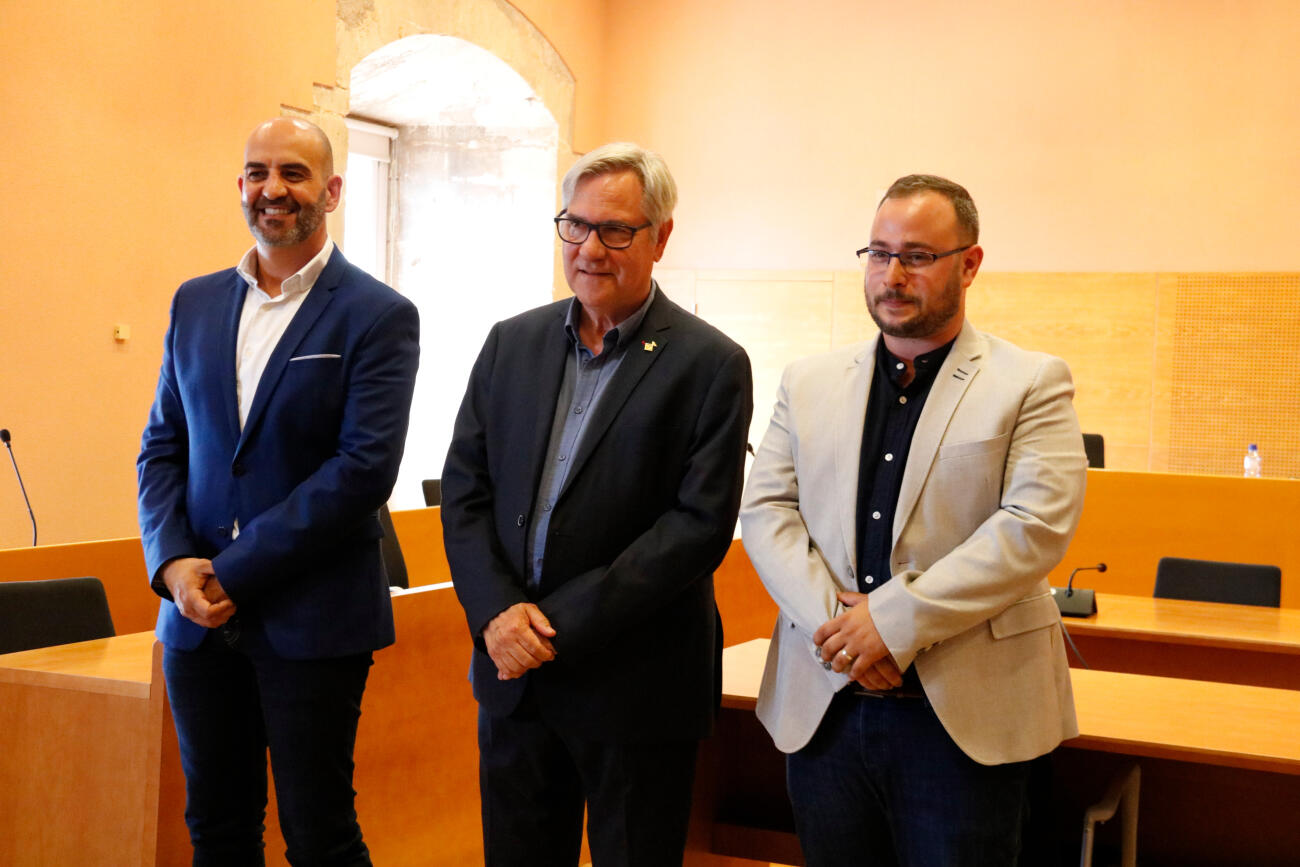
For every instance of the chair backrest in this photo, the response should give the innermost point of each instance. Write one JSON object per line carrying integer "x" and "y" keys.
{"x": 1213, "y": 581}
{"x": 57, "y": 611}
{"x": 391, "y": 549}
{"x": 1094, "y": 446}
{"x": 432, "y": 492}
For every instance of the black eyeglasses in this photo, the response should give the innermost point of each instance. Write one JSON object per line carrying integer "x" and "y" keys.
{"x": 911, "y": 260}
{"x": 615, "y": 236}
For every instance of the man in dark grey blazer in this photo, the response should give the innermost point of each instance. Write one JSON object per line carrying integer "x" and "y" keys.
{"x": 590, "y": 490}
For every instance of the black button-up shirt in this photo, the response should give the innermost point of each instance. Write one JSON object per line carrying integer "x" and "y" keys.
{"x": 892, "y": 413}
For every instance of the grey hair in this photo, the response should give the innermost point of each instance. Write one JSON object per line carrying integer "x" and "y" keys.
{"x": 968, "y": 219}
{"x": 658, "y": 189}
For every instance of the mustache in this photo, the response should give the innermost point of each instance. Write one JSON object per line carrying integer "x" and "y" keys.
{"x": 284, "y": 202}
{"x": 894, "y": 296}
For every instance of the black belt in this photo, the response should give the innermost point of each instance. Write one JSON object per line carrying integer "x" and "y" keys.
{"x": 886, "y": 693}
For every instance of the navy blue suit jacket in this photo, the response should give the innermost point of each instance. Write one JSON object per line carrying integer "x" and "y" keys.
{"x": 317, "y": 457}
{"x": 646, "y": 514}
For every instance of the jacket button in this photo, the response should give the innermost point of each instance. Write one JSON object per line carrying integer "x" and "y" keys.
{"x": 519, "y": 522}
{"x": 237, "y": 470}
{"x": 223, "y": 532}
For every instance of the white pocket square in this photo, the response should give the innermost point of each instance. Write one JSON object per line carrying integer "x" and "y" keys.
{"x": 319, "y": 355}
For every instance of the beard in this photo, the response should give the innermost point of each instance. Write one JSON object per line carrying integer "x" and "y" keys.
{"x": 306, "y": 221}
{"x": 928, "y": 319}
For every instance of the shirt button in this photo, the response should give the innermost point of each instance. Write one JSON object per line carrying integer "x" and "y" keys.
{"x": 900, "y": 365}
{"x": 889, "y": 456}
{"x": 519, "y": 522}
{"x": 546, "y": 507}
{"x": 902, "y": 399}
{"x": 577, "y": 410}
{"x": 869, "y": 580}
{"x": 876, "y": 515}
{"x": 563, "y": 457}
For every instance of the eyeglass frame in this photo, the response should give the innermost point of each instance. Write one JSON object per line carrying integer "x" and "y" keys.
{"x": 598, "y": 227}
{"x": 899, "y": 256}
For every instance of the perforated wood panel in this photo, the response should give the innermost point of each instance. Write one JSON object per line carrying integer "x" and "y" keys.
{"x": 1236, "y": 349}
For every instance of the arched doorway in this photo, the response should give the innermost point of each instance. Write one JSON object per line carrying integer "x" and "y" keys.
{"x": 470, "y": 195}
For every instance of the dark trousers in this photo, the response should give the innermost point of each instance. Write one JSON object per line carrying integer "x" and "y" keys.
{"x": 232, "y": 698}
{"x": 882, "y": 783}
{"x": 534, "y": 782}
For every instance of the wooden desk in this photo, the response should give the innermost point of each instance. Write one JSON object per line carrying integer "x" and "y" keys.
{"x": 90, "y": 772}
{"x": 1245, "y": 644}
{"x": 1221, "y": 768}
{"x": 81, "y": 774}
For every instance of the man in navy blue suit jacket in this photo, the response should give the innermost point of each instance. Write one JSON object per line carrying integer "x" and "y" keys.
{"x": 274, "y": 438}
{"x": 590, "y": 490}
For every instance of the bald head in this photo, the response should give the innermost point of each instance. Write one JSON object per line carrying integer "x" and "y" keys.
{"x": 285, "y": 129}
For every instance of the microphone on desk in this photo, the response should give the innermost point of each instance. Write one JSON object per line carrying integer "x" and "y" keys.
{"x": 4, "y": 438}
{"x": 1077, "y": 603}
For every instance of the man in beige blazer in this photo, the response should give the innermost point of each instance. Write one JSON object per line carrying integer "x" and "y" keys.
{"x": 917, "y": 664}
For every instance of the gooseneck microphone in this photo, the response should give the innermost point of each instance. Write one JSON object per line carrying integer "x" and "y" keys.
{"x": 1069, "y": 585}
{"x": 4, "y": 437}
{"x": 1077, "y": 603}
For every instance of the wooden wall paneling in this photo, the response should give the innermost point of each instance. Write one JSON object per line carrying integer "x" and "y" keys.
{"x": 850, "y": 321}
{"x": 1236, "y": 343}
{"x": 1103, "y": 325}
{"x": 1162, "y": 384}
{"x": 679, "y": 285}
{"x": 778, "y": 316}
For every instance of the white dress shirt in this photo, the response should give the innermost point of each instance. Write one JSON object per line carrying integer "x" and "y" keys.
{"x": 264, "y": 320}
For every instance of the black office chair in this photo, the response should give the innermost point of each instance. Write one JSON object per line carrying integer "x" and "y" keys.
{"x": 391, "y": 550}
{"x": 432, "y": 492}
{"x": 1213, "y": 581}
{"x": 1094, "y": 446}
{"x": 57, "y": 611}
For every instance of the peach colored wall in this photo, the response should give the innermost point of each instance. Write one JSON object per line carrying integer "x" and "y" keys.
{"x": 1105, "y": 135}
{"x": 123, "y": 134}
{"x": 1101, "y": 136}
{"x": 577, "y": 30}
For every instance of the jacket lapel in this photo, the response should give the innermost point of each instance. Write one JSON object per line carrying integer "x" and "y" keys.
{"x": 229, "y": 338}
{"x": 850, "y": 419}
{"x": 318, "y": 298}
{"x": 950, "y": 384}
{"x": 636, "y": 362}
{"x": 537, "y": 399}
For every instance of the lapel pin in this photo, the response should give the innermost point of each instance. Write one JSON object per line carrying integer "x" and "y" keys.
{"x": 649, "y": 345}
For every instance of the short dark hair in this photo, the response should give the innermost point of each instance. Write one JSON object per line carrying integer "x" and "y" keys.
{"x": 968, "y": 219}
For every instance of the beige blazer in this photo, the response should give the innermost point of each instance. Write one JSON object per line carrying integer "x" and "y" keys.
{"x": 990, "y": 497}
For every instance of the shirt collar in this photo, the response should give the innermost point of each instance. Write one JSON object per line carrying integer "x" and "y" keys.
{"x": 298, "y": 283}
{"x": 621, "y": 334}
{"x": 926, "y": 366}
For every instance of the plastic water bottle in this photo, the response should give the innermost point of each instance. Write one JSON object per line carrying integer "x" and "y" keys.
{"x": 1251, "y": 463}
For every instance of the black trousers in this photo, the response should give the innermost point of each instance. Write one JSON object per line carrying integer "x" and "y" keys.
{"x": 232, "y": 698}
{"x": 535, "y": 781}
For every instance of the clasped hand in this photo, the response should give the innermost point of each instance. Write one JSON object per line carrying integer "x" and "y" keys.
{"x": 196, "y": 591}
{"x": 518, "y": 639}
{"x": 865, "y": 659}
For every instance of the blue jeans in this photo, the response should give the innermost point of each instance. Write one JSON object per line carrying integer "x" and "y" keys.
{"x": 233, "y": 698}
{"x": 882, "y": 783}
